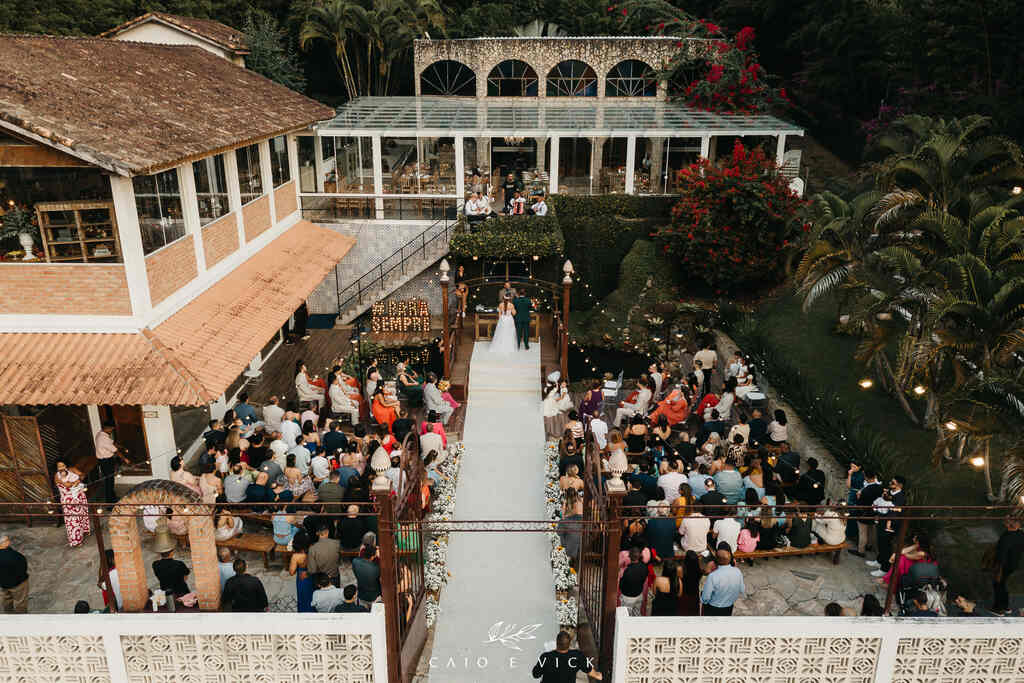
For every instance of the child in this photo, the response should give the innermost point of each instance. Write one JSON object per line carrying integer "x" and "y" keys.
{"x": 750, "y": 534}
{"x": 517, "y": 206}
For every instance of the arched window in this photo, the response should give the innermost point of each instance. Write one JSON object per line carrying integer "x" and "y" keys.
{"x": 572, "y": 78}
{"x": 448, "y": 77}
{"x": 631, "y": 78}
{"x": 512, "y": 78}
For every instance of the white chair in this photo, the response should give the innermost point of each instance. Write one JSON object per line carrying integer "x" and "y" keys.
{"x": 610, "y": 393}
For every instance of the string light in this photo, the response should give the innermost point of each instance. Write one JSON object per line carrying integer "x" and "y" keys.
{"x": 978, "y": 461}
{"x": 919, "y": 390}
{"x": 951, "y": 426}
{"x": 866, "y": 383}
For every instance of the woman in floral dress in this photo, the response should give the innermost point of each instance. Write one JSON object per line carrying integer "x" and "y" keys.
{"x": 76, "y": 504}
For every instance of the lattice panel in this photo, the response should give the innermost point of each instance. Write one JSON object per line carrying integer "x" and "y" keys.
{"x": 68, "y": 659}
{"x": 959, "y": 660}
{"x": 752, "y": 660}
{"x": 261, "y": 658}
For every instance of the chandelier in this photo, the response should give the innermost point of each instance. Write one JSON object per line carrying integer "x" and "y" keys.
{"x": 514, "y": 140}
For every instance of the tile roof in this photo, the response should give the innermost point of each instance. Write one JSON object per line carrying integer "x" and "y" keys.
{"x": 213, "y": 31}
{"x": 82, "y": 369}
{"x": 216, "y": 335}
{"x": 190, "y": 358}
{"x": 135, "y": 108}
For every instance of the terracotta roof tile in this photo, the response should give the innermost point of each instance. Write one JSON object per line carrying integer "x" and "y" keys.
{"x": 193, "y": 356}
{"x": 213, "y": 31}
{"x": 137, "y": 107}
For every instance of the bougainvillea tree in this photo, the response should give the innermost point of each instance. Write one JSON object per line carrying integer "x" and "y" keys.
{"x": 735, "y": 223}
{"x": 710, "y": 70}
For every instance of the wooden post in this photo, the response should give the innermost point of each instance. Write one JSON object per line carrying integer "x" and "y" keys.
{"x": 616, "y": 491}
{"x": 566, "y": 286}
{"x": 388, "y": 581}
{"x": 897, "y": 548}
{"x": 446, "y": 339}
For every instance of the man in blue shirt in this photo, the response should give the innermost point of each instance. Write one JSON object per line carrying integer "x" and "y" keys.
{"x": 245, "y": 412}
{"x": 696, "y": 480}
{"x": 729, "y": 483}
{"x": 722, "y": 587}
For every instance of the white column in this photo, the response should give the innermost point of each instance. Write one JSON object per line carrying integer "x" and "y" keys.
{"x": 553, "y": 171}
{"x": 630, "y": 162}
{"x": 190, "y": 211}
{"x": 293, "y": 167}
{"x": 131, "y": 244}
{"x": 318, "y": 162}
{"x": 705, "y": 146}
{"x": 378, "y": 177}
{"x": 267, "y": 177}
{"x": 255, "y": 366}
{"x": 712, "y": 154}
{"x": 95, "y": 424}
{"x": 540, "y": 152}
{"x": 159, "y": 439}
{"x": 460, "y": 173}
{"x": 234, "y": 192}
{"x": 780, "y": 150}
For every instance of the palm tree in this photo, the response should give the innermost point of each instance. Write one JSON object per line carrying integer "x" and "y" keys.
{"x": 332, "y": 23}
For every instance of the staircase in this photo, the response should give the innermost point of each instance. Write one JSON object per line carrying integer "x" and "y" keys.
{"x": 394, "y": 271}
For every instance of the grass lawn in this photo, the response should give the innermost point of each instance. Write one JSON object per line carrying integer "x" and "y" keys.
{"x": 827, "y": 357}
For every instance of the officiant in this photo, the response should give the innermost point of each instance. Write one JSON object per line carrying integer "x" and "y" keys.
{"x": 523, "y": 306}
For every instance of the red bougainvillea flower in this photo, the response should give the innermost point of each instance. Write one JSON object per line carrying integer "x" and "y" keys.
{"x": 745, "y": 37}
{"x": 715, "y": 73}
{"x": 611, "y": 8}
{"x": 661, "y": 26}
{"x": 625, "y": 11}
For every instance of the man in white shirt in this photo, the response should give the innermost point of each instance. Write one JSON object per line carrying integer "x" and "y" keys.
{"x": 226, "y": 565}
{"x": 320, "y": 469}
{"x": 708, "y": 361}
{"x": 599, "y": 428}
{"x": 395, "y": 473}
{"x": 279, "y": 449}
{"x": 693, "y": 532}
{"x": 302, "y": 455}
{"x": 290, "y": 430}
{"x": 726, "y": 529}
{"x": 106, "y": 452}
{"x": 433, "y": 400}
{"x": 654, "y": 372}
{"x": 432, "y": 441}
{"x": 309, "y": 415}
{"x": 643, "y": 399}
{"x": 272, "y": 414}
{"x": 539, "y": 207}
{"x": 341, "y": 404}
{"x": 476, "y": 209}
{"x": 734, "y": 365}
{"x": 326, "y": 596}
{"x": 669, "y": 481}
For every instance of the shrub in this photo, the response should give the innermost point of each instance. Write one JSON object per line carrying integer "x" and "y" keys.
{"x": 734, "y": 224}
{"x": 507, "y": 236}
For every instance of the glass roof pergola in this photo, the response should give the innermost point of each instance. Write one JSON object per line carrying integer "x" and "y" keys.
{"x": 448, "y": 116}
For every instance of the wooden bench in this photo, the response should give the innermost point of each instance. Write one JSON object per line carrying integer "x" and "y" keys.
{"x": 789, "y": 551}
{"x": 256, "y": 543}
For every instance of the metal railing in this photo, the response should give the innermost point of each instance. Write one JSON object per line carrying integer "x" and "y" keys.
{"x": 376, "y": 279}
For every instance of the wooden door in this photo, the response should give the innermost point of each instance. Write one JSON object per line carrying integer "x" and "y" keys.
{"x": 23, "y": 473}
{"x": 130, "y": 433}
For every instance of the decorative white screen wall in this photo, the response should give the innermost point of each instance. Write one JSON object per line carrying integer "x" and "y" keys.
{"x": 277, "y": 658}
{"x": 751, "y": 660}
{"x": 69, "y": 659}
{"x": 952, "y": 660}
{"x": 817, "y": 650}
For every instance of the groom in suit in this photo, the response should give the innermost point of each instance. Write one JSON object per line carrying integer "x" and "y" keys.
{"x": 523, "y": 307}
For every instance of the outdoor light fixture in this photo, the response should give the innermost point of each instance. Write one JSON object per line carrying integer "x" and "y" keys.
{"x": 567, "y": 269}
{"x": 444, "y": 268}
{"x": 866, "y": 383}
{"x": 919, "y": 390}
{"x": 978, "y": 461}
{"x": 951, "y": 426}
{"x": 1017, "y": 189}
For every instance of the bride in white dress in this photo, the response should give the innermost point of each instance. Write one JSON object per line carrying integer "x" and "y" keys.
{"x": 504, "y": 339}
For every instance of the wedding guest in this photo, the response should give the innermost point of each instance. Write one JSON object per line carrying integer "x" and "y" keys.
{"x": 243, "y": 592}
{"x": 722, "y": 587}
{"x": 13, "y": 578}
{"x": 636, "y": 407}
{"x": 350, "y": 603}
{"x": 326, "y": 597}
{"x": 433, "y": 401}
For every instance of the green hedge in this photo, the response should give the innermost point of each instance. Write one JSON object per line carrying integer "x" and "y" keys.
{"x": 598, "y": 239}
{"x": 507, "y": 236}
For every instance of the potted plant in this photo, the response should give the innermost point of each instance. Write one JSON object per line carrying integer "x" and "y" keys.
{"x": 18, "y": 223}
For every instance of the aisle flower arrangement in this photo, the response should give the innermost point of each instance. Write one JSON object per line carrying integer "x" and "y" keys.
{"x": 442, "y": 509}
{"x": 565, "y": 577}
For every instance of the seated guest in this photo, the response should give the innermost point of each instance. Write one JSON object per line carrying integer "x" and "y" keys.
{"x": 829, "y": 527}
{"x": 334, "y": 439}
{"x": 637, "y": 405}
{"x": 758, "y": 429}
{"x": 331, "y": 490}
{"x": 284, "y": 526}
{"x": 350, "y": 603}
{"x": 810, "y": 488}
{"x": 726, "y": 529}
{"x": 384, "y": 407}
{"x": 777, "y": 432}
{"x": 244, "y": 592}
{"x": 235, "y": 484}
{"x": 920, "y": 606}
{"x": 539, "y": 207}
{"x": 741, "y": 427}
{"x": 351, "y": 529}
{"x": 306, "y": 390}
{"x": 341, "y": 402}
{"x": 714, "y": 425}
{"x": 746, "y": 542}
{"x": 799, "y": 528}
{"x": 693, "y": 530}
{"x": 433, "y": 425}
{"x": 170, "y": 572}
{"x": 517, "y": 206}
{"x": 326, "y": 597}
{"x": 729, "y": 483}
{"x": 433, "y": 401}
{"x": 698, "y": 475}
{"x": 402, "y": 426}
{"x": 272, "y": 414}
{"x": 754, "y": 479}
{"x": 409, "y": 384}
{"x": 671, "y": 479}
{"x": 228, "y": 526}
{"x": 661, "y": 531}
{"x": 674, "y": 408}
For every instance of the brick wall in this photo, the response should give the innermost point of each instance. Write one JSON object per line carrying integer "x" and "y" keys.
{"x": 256, "y": 216}
{"x": 68, "y": 289}
{"x": 220, "y": 239}
{"x": 171, "y": 268}
{"x": 285, "y": 201}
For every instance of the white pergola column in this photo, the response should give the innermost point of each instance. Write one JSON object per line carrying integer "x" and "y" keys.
{"x": 460, "y": 173}
{"x": 705, "y": 146}
{"x": 596, "y": 156}
{"x": 378, "y": 177}
{"x": 293, "y": 167}
{"x": 657, "y": 165}
{"x": 123, "y": 194}
{"x": 190, "y": 211}
{"x": 553, "y": 172}
{"x": 159, "y": 428}
{"x": 541, "y": 141}
{"x": 234, "y": 192}
{"x": 712, "y": 149}
{"x": 318, "y": 162}
{"x": 780, "y": 150}
{"x": 630, "y": 162}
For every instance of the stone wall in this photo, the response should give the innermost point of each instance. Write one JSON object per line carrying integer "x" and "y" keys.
{"x": 801, "y": 438}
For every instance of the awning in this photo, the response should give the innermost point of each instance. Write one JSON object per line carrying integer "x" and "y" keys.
{"x": 193, "y": 356}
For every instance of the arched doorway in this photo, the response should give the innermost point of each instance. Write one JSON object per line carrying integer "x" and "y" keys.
{"x": 124, "y": 539}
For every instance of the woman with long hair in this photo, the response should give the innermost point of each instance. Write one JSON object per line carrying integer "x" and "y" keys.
{"x": 918, "y": 551}
{"x": 180, "y": 475}
{"x": 384, "y": 407}
{"x": 75, "y": 503}
{"x": 690, "y": 575}
{"x": 297, "y": 568}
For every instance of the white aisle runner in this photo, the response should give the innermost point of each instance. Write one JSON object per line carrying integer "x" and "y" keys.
{"x": 498, "y": 576}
